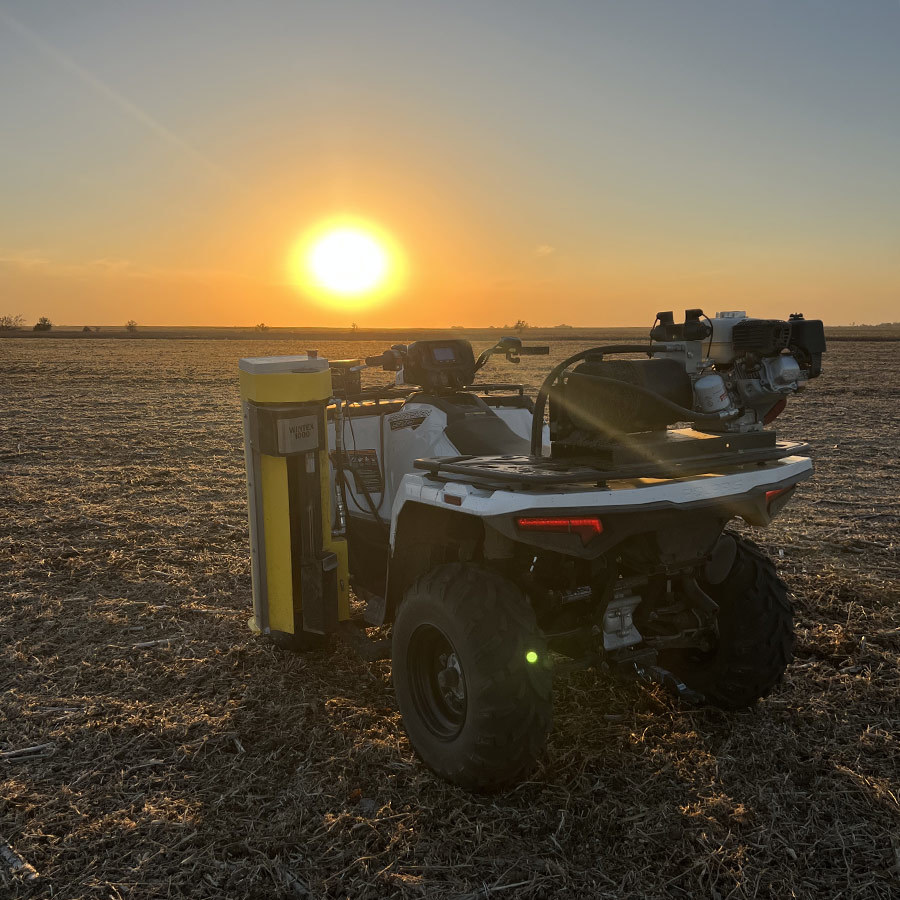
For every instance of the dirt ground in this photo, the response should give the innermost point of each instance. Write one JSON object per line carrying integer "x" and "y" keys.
{"x": 179, "y": 756}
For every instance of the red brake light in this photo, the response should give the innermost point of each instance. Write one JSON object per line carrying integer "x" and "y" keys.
{"x": 585, "y": 527}
{"x": 771, "y": 495}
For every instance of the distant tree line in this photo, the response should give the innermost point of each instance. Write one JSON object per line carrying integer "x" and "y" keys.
{"x": 17, "y": 323}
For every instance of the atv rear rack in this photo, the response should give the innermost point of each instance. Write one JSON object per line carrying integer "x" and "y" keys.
{"x": 539, "y": 472}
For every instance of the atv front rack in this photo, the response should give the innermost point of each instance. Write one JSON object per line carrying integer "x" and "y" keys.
{"x": 539, "y": 472}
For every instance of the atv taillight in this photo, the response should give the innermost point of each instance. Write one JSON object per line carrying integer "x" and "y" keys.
{"x": 585, "y": 527}
{"x": 777, "y": 500}
{"x": 773, "y": 495}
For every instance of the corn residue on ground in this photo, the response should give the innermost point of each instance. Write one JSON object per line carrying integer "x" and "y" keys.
{"x": 150, "y": 746}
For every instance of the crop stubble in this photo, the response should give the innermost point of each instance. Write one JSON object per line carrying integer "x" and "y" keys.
{"x": 182, "y": 757}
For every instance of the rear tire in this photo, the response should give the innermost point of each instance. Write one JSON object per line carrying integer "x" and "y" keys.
{"x": 472, "y": 677}
{"x": 756, "y": 634}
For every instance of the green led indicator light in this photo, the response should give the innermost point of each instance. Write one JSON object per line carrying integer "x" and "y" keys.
{"x": 531, "y": 656}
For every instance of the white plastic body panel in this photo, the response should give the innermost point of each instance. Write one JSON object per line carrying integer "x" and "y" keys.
{"x": 626, "y": 495}
{"x": 519, "y": 420}
{"x": 400, "y": 438}
{"x": 416, "y": 430}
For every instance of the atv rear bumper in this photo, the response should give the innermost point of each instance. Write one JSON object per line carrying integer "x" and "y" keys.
{"x": 752, "y": 491}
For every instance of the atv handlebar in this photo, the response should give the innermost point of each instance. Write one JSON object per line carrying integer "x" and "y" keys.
{"x": 512, "y": 349}
{"x": 393, "y": 360}
{"x": 390, "y": 360}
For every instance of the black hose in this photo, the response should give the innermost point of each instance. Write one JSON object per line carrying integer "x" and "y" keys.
{"x": 540, "y": 401}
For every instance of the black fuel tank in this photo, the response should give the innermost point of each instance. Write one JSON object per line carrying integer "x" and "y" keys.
{"x": 582, "y": 404}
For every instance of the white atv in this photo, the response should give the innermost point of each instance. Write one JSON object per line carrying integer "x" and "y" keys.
{"x": 503, "y": 549}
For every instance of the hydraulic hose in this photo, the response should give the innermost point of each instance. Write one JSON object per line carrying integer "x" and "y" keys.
{"x": 540, "y": 402}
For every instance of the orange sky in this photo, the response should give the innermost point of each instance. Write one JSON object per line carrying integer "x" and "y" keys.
{"x": 574, "y": 164}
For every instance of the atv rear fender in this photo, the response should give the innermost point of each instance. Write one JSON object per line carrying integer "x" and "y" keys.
{"x": 755, "y": 493}
{"x": 438, "y": 521}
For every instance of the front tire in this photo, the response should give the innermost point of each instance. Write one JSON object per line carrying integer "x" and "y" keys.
{"x": 756, "y": 634}
{"x": 472, "y": 677}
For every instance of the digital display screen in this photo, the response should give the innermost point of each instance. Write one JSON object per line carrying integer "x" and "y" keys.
{"x": 443, "y": 354}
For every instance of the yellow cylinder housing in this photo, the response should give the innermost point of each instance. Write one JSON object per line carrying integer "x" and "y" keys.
{"x": 300, "y": 572}
{"x": 284, "y": 379}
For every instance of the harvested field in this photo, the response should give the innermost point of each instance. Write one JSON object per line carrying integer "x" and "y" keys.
{"x": 175, "y": 755}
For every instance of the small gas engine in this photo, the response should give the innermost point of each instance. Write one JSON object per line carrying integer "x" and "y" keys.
{"x": 741, "y": 369}
{"x": 730, "y": 375}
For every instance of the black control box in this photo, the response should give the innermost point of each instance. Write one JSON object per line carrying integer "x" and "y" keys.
{"x": 447, "y": 365}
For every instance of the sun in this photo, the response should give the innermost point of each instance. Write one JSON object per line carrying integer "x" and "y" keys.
{"x": 346, "y": 260}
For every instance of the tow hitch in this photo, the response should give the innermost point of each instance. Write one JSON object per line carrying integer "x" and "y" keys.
{"x": 664, "y": 678}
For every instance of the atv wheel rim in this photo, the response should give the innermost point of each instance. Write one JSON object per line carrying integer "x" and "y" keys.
{"x": 437, "y": 682}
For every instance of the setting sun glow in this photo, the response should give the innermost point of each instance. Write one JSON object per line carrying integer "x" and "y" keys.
{"x": 346, "y": 261}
